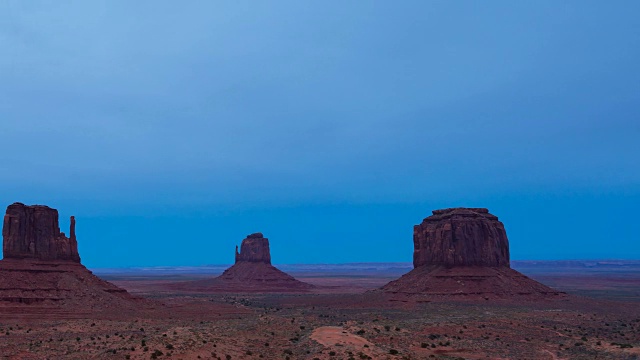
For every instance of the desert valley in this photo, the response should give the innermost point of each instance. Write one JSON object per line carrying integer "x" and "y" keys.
{"x": 317, "y": 180}
{"x": 460, "y": 299}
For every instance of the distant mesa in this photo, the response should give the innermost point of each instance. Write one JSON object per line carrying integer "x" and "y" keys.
{"x": 464, "y": 253}
{"x": 252, "y": 272}
{"x": 41, "y": 267}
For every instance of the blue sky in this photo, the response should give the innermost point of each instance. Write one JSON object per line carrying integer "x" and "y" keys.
{"x": 171, "y": 130}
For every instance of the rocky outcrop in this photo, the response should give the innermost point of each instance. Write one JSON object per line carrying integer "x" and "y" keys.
{"x": 252, "y": 272}
{"x": 255, "y": 248}
{"x": 463, "y": 253}
{"x": 460, "y": 237}
{"x": 41, "y": 270}
{"x": 32, "y": 232}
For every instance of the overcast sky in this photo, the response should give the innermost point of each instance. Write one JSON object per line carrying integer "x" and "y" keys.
{"x": 173, "y": 129}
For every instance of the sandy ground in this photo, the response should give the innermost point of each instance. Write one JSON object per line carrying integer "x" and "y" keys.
{"x": 335, "y": 324}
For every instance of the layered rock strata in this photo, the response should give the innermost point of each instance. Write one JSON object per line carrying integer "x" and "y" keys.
{"x": 460, "y": 237}
{"x": 41, "y": 268}
{"x": 255, "y": 248}
{"x": 33, "y": 232}
{"x": 464, "y": 252}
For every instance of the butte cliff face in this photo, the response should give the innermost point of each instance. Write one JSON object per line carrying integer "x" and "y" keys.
{"x": 464, "y": 253}
{"x": 33, "y": 232}
{"x": 460, "y": 237}
{"x": 255, "y": 248}
{"x": 41, "y": 270}
{"x": 252, "y": 272}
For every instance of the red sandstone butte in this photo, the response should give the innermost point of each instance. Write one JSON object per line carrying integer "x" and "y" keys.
{"x": 252, "y": 272}
{"x": 33, "y": 232}
{"x": 464, "y": 253}
{"x": 460, "y": 237}
{"x": 41, "y": 273}
{"x": 255, "y": 248}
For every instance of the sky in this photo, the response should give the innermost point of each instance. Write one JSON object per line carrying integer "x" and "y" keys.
{"x": 171, "y": 130}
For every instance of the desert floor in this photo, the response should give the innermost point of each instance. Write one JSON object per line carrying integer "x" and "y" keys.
{"x": 343, "y": 319}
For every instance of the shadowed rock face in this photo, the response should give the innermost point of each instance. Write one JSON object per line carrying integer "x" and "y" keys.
{"x": 32, "y": 232}
{"x": 252, "y": 272}
{"x": 41, "y": 268}
{"x": 463, "y": 253}
{"x": 255, "y": 248}
{"x": 461, "y": 237}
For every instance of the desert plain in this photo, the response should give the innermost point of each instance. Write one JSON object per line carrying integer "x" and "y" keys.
{"x": 345, "y": 317}
{"x": 461, "y": 298}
